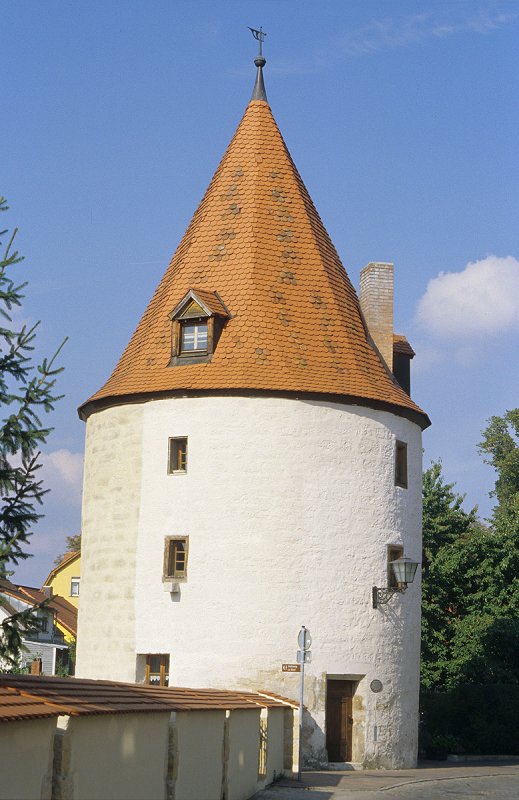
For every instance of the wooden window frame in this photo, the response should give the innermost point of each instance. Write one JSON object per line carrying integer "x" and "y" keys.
{"x": 394, "y": 551}
{"x": 179, "y": 356}
{"x": 180, "y": 575}
{"x": 192, "y": 310}
{"x": 401, "y": 464}
{"x": 162, "y": 669}
{"x": 196, "y": 351}
{"x": 177, "y": 471}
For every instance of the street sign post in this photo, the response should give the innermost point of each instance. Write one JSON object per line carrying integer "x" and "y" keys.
{"x": 304, "y": 639}
{"x": 304, "y": 656}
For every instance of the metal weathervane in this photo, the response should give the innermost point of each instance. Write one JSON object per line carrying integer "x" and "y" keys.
{"x": 259, "y": 92}
{"x": 260, "y": 37}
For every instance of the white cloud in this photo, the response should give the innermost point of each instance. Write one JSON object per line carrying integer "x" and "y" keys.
{"x": 62, "y": 473}
{"x": 391, "y": 32}
{"x": 427, "y": 357}
{"x": 480, "y": 300}
{"x": 69, "y": 466}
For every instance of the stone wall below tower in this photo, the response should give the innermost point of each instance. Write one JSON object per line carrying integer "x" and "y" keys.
{"x": 111, "y": 503}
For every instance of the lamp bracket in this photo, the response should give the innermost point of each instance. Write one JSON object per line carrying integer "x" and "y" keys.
{"x": 383, "y": 594}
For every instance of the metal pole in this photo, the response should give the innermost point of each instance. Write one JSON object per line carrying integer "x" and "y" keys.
{"x": 301, "y": 690}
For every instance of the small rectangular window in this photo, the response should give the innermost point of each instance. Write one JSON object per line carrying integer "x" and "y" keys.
{"x": 157, "y": 669}
{"x": 175, "y": 557}
{"x": 177, "y": 457}
{"x": 193, "y": 337}
{"x": 74, "y": 587}
{"x": 401, "y": 465}
{"x": 394, "y": 551}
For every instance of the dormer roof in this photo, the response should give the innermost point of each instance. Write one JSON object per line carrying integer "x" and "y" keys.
{"x": 257, "y": 246}
{"x": 209, "y": 303}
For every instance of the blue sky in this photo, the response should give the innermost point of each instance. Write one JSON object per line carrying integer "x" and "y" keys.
{"x": 402, "y": 118}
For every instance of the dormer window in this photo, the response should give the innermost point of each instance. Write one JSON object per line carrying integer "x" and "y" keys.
{"x": 197, "y": 322}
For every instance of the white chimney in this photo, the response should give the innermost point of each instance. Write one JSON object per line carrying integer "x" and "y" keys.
{"x": 376, "y": 302}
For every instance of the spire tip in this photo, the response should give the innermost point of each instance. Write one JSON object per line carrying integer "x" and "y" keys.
{"x": 259, "y": 92}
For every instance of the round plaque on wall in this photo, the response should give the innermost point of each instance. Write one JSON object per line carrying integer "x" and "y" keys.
{"x": 376, "y": 686}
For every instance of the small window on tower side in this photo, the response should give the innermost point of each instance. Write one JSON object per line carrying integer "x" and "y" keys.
{"x": 394, "y": 551}
{"x": 401, "y": 465}
{"x": 175, "y": 557}
{"x": 177, "y": 456}
{"x": 157, "y": 669}
{"x": 74, "y": 587}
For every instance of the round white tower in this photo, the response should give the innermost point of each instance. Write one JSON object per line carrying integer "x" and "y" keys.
{"x": 252, "y": 465}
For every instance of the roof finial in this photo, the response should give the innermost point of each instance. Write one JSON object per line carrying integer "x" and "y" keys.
{"x": 259, "y": 92}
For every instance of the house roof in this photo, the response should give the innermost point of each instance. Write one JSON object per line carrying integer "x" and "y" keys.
{"x": 296, "y": 327}
{"x": 67, "y": 559}
{"x": 66, "y": 613}
{"x": 76, "y": 696}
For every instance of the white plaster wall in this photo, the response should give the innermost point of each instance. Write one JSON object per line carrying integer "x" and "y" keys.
{"x": 275, "y": 743}
{"x": 198, "y": 755}
{"x": 243, "y": 759}
{"x": 289, "y": 506}
{"x": 111, "y": 500}
{"x": 114, "y": 756}
{"x": 26, "y": 753}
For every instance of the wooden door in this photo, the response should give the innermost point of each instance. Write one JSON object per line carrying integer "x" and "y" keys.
{"x": 339, "y": 720}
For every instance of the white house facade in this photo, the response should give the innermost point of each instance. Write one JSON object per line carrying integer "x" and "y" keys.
{"x": 253, "y": 464}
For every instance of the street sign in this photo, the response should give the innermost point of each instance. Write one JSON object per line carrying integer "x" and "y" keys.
{"x": 290, "y": 667}
{"x": 304, "y": 639}
{"x": 304, "y": 657}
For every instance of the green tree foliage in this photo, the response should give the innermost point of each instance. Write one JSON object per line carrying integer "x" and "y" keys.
{"x": 470, "y": 627}
{"x": 26, "y": 393}
{"x": 444, "y": 524}
{"x": 500, "y": 447}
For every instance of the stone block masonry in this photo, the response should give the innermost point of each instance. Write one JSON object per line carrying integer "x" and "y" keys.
{"x": 376, "y": 302}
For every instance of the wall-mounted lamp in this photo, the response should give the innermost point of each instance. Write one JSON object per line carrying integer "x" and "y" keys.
{"x": 404, "y": 570}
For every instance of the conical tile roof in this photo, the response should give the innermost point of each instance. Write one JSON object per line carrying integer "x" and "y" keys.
{"x": 257, "y": 240}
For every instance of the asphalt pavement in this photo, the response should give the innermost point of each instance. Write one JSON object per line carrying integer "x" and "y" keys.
{"x": 430, "y": 781}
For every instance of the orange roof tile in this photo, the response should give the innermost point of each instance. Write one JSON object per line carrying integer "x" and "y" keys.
{"x": 296, "y": 326}
{"x": 78, "y": 696}
{"x": 15, "y": 706}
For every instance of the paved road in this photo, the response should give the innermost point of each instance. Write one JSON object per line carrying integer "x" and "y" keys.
{"x": 496, "y": 781}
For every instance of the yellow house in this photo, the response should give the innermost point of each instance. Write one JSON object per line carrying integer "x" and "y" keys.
{"x": 64, "y": 579}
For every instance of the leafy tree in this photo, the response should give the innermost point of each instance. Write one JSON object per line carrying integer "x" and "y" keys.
{"x": 485, "y": 650}
{"x": 445, "y": 524}
{"x": 500, "y": 445}
{"x": 470, "y": 628}
{"x": 26, "y": 392}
